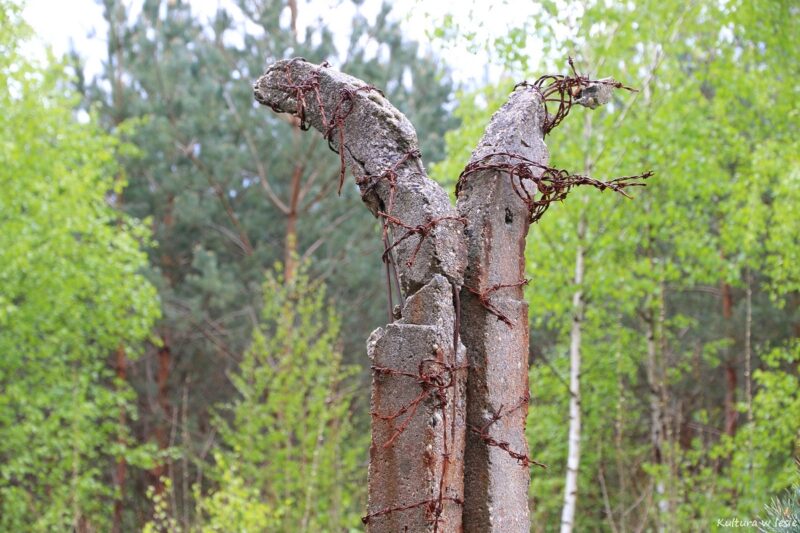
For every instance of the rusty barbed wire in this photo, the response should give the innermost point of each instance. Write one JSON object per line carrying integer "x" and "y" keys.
{"x": 367, "y": 183}
{"x": 370, "y": 181}
{"x": 342, "y": 110}
{"x": 431, "y": 503}
{"x": 344, "y": 106}
{"x": 552, "y": 184}
{"x": 483, "y": 434}
{"x": 483, "y": 298}
{"x": 298, "y": 91}
{"x": 432, "y": 384}
{"x": 423, "y": 230}
{"x": 566, "y": 90}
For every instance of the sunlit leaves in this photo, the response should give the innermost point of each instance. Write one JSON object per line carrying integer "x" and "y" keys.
{"x": 289, "y": 452}
{"x": 71, "y": 293}
{"x": 716, "y": 119}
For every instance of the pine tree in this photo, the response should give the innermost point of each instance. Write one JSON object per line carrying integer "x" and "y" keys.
{"x": 223, "y": 200}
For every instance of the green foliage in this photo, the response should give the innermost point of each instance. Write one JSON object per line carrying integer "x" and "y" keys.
{"x": 215, "y": 176}
{"x": 759, "y": 459}
{"x": 290, "y": 460}
{"x": 162, "y": 519}
{"x": 772, "y": 443}
{"x": 714, "y": 119}
{"x": 237, "y": 505}
{"x": 71, "y": 292}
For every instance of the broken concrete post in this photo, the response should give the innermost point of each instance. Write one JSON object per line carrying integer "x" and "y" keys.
{"x": 416, "y": 465}
{"x": 423, "y": 475}
{"x": 419, "y": 375}
{"x": 496, "y": 336}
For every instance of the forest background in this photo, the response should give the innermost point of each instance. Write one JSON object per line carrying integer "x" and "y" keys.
{"x": 184, "y": 298}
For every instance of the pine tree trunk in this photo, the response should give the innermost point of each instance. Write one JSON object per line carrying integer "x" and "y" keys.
{"x": 163, "y": 422}
{"x": 729, "y": 369}
{"x": 290, "y": 245}
{"x": 122, "y": 466}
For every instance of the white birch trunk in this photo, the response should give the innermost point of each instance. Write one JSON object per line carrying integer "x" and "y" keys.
{"x": 574, "y": 451}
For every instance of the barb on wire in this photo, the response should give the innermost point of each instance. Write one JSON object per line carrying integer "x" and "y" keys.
{"x": 484, "y": 298}
{"x": 551, "y": 184}
{"x": 432, "y": 505}
{"x": 483, "y": 433}
{"x": 344, "y": 106}
{"x": 390, "y": 176}
{"x": 423, "y": 230}
{"x": 568, "y": 90}
{"x": 434, "y": 376}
